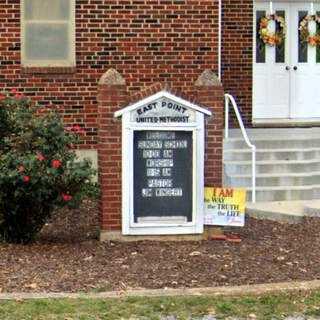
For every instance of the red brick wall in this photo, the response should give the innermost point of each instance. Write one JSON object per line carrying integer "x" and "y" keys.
{"x": 212, "y": 98}
{"x": 169, "y": 41}
{"x": 111, "y": 98}
{"x": 237, "y": 53}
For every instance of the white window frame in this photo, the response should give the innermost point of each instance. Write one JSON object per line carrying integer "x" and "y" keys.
{"x": 68, "y": 62}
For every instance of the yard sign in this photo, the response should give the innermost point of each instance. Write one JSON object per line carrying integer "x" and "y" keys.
{"x": 224, "y": 206}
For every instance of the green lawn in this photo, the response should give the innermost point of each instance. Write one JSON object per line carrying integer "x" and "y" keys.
{"x": 265, "y": 307}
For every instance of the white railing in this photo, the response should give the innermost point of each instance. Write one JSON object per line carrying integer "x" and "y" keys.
{"x": 229, "y": 97}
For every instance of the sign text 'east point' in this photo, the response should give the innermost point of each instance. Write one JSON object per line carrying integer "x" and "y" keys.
{"x": 142, "y": 117}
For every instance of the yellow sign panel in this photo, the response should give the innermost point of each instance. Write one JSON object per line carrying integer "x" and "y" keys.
{"x": 224, "y": 206}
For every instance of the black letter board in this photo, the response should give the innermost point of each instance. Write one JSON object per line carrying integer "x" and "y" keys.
{"x": 163, "y": 174}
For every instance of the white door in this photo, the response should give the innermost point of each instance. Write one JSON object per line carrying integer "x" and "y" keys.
{"x": 286, "y": 77}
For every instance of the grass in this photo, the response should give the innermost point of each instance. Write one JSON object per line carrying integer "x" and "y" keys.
{"x": 276, "y": 306}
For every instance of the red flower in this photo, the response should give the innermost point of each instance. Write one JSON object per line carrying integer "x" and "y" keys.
{"x": 65, "y": 196}
{"x": 1, "y": 97}
{"x": 41, "y": 157}
{"x": 77, "y": 128}
{"x": 21, "y": 169}
{"x": 17, "y": 95}
{"x": 26, "y": 178}
{"x": 13, "y": 90}
{"x": 56, "y": 163}
{"x": 83, "y": 132}
{"x": 68, "y": 128}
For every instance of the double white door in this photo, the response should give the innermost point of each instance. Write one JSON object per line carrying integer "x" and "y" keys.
{"x": 286, "y": 79}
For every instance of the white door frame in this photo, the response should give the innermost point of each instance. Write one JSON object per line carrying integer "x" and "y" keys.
{"x": 281, "y": 90}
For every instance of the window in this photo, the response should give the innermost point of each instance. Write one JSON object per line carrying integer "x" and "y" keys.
{"x": 47, "y": 28}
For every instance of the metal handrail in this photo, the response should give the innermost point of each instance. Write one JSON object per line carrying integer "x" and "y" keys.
{"x": 229, "y": 97}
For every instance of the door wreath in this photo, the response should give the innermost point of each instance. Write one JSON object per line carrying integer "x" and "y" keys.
{"x": 272, "y": 39}
{"x": 305, "y": 35}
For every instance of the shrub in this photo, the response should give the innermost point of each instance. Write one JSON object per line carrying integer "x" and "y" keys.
{"x": 39, "y": 170}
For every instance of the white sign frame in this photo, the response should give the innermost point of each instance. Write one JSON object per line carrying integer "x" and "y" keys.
{"x": 129, "y": 227}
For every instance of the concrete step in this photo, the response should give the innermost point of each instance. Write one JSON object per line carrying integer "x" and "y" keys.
{"x": 312, "y": 208}
{"x": 277, "y": 132}
{"x": 287, "y": 167}
{"x": 271, "y": 154}
{"x": 279, "y": 166}
{"x": 269, "y": 180}
{"x": 316, "y": 190}
{"x": 268, "y": 143}
{"x": 288, "y": 193}
{"x": 285, "y": 211}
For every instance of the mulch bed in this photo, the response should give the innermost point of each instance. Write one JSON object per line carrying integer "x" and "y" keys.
{"x": 68, "y": 257}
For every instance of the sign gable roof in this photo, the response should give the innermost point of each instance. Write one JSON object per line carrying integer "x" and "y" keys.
{"x": 159, "y": 95}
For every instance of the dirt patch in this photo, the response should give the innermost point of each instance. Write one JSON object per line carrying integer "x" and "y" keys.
{"x": 68, "y": 257}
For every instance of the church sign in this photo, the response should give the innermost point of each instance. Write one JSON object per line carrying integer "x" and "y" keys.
{"x": 163, "y": 174}
{"x": 162, "y": 166}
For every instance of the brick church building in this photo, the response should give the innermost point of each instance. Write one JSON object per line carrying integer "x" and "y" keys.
{"x": 91, "y": 58}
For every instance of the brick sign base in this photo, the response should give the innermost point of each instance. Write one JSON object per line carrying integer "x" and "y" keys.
{"x": 207, "y": 92}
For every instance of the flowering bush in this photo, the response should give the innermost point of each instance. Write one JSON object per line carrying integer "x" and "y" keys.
{"x": 38, "y": 168}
